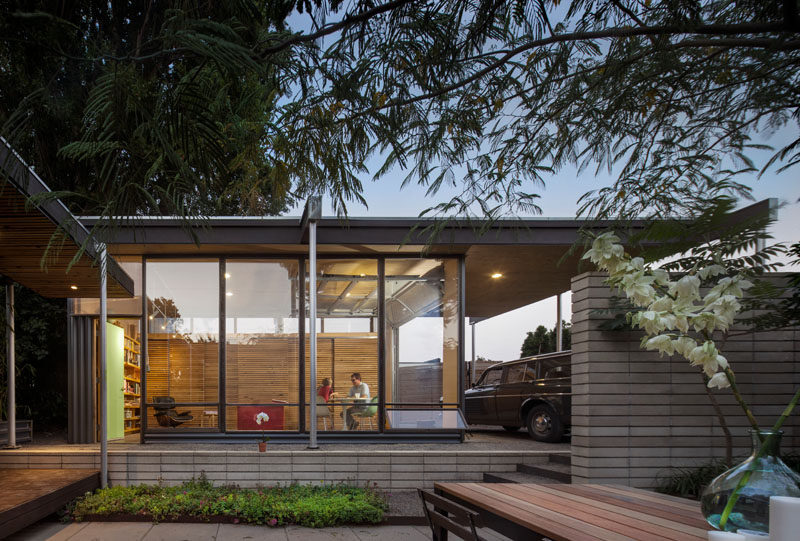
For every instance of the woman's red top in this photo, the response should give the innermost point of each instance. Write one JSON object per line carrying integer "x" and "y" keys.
{"x": 324, "y": 392}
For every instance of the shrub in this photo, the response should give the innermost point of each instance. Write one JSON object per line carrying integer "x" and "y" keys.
{"x": 306, "y": 505}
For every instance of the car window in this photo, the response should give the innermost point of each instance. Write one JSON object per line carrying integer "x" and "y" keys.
{"x": 555, "y": 368}
{"x": 530, "y": 371}
{"x": 491, "y": 377}
{"x": 514, "y": 373}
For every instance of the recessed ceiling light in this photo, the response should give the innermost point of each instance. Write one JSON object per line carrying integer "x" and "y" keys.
{"x": 362, "y": 274}
{"x": 73, "y": 286}
{"x": 347, "y": 295}
{"x": 229, "y": 294}
{"x": 163, "y": 326}
{"x": 227, "y": 275}
{"x": 151, "y": 317}
{"x": 497, "y": 275}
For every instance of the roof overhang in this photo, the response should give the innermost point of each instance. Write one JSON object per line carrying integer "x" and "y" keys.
{"x": 534, "y": 255}
{"x": 44, "y": 247}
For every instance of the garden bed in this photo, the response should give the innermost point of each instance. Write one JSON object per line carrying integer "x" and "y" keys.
{"x": 201, "y": 501}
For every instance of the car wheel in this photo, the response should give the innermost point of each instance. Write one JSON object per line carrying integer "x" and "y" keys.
{"x": 512, "y": 428}
{"x": 544, "y": 424}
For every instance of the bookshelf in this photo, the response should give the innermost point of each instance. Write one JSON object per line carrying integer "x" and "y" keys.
{"x": 132, "y": 389}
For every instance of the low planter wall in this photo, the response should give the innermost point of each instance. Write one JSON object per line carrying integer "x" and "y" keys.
{"x": 384, "y": 469}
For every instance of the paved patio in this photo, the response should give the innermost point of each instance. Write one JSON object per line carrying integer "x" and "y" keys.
{"x": 145, "y": 531}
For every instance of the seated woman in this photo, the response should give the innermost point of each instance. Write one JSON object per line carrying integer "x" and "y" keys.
{"x": 325, "y": 390}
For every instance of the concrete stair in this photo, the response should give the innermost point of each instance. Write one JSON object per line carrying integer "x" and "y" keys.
{"x": 557, "y": 469}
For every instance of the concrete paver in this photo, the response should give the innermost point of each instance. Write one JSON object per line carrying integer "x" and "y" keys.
{"x": 145, "y": 531}
{"x": 182, "y": 532}
{"x": 112, "y": 531}
{"x": 246, "y": 532}
{"x": 390, "y": 533}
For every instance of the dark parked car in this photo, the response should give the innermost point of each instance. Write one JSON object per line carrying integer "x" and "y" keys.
{"x": 535, "y": 392}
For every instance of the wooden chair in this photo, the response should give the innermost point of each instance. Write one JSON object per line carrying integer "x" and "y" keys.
{"x": 463, "y": 521}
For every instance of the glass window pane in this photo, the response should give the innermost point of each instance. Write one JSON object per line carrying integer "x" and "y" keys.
{"x": 347, "y": 343}
{"x": 515, "y": 373}
{"x": 261, "y": 343}
{"x": 419, "y": 419}
{"x": 422, "y": 331}
{"x": 182, "y": 343}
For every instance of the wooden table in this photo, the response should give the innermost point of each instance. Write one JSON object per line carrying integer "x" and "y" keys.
{"x": 580, "y": 512}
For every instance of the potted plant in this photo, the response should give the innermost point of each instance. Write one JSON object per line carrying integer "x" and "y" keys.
{"x": 262, "y": 418}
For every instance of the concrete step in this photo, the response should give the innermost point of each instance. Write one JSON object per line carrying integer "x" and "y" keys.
{"x": 516, "y": 477}
{"x": 552, "y": 470}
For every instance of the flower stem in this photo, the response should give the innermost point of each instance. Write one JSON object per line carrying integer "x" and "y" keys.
{"x": 735, "y": 390}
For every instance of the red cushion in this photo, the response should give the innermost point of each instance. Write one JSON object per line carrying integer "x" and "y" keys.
{"x": 246, "y": 418}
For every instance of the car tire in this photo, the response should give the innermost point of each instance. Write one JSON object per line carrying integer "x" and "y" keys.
{"x": 544, "y": 425}
{"x": 511, "y": 428}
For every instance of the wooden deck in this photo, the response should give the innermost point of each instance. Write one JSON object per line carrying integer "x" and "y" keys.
{"x": 580, "y": 512}
{"x": 30, "y": 495}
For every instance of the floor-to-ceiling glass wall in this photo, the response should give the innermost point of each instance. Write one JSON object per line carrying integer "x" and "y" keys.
{"x": 262, "y": 311}
{"x": 348, "y": 385}
{"x": 182, "y": 369}
{"x": 422, "y": 346}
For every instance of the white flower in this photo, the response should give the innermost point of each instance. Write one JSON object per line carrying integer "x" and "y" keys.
{"x": 687, "y": 288}
{"x": 719, "y": 380}
{"x": 661, "y": 276}
{"x": 662, "y": 343}
{"x": 708, "y": 357}
{"x": 606, "y": 253}
{"x": 710, "y": 271}
{"x": 684, "y": 345}
{"x": 262, "y": 418}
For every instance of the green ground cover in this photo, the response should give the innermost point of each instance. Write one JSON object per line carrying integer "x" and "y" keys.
{"x": 312, "y": 506}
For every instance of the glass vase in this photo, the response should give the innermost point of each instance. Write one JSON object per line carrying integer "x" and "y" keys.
{"x": 750, "y": 484}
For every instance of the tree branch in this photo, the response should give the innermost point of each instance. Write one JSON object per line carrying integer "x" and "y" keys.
{"x": 344, "y": 23}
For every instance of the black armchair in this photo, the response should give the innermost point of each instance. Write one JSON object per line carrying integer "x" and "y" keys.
{"x": 165, "y": 413}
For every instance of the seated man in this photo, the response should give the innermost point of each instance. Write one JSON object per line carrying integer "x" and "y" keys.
{"x": 359, "y": 390}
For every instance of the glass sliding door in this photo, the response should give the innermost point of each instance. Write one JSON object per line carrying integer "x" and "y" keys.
{"x": 347, "y": 344}
{"x": 421, "y": 340}
{"x": 262, "y": 344}
{"x": 182, "y": 368}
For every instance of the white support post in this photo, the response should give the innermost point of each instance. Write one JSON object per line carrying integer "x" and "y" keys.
{"x": 10, "y": 357}
{"x": 472, "y": 372}
{"x": 312, "y": 365}
{"x": 103, "y": 375}
{"x": 559, "y": 331}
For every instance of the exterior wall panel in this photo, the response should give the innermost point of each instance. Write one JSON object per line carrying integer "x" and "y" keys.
{"x": 636, "y": 415}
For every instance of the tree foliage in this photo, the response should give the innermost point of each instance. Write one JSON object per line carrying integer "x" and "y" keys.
{"x": 543, "y": 340}
{"x": 193, "y": 108}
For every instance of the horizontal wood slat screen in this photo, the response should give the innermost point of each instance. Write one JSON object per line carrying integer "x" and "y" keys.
{"x": 185, "y": 371}
{"x": 340, "y": 356}
{"x": 263, "y": 371}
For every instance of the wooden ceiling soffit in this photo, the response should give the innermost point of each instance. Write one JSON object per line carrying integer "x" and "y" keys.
{"x": 28, "y": 233}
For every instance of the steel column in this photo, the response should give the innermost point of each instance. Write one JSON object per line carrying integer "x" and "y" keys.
{"x": 312, "y": 317}
{"x": 103, "y": 375}
{"x": 11, "y": 414}
{"x": 559, "y": 338}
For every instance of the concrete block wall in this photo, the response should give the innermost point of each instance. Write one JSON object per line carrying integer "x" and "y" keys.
{"x": 635, "y": 415}
{"x": 386, "y": 469}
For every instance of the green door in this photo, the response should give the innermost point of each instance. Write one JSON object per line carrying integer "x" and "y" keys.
{"x": 115, "y": 400}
